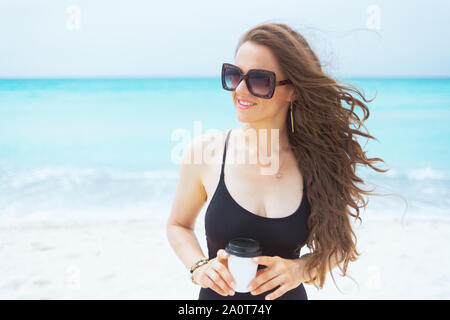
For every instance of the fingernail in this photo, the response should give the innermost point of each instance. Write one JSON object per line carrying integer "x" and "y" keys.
{"x": 231, "y": 293}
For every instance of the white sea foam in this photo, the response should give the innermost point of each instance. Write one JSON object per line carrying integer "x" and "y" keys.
{"x": 89, "y": 191}
{"x": 60, "y": 191}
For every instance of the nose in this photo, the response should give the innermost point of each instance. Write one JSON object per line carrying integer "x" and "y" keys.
{"x": 242, "y": 87}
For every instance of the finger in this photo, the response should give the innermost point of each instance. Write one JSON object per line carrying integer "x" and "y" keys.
{"x": 257, "y": 277}
{"x": 212, "y": 285}
{"x": 218, "y": 281}
{"x": 222, "y": 254}
{"x": 266, "y": 286}
{"x": 264, "y": 260}
{"x": 262, "y": 277}
{"x": 277, "y": 293}
{"x": 261, "y": 271}
{"x": 225, "y": 274}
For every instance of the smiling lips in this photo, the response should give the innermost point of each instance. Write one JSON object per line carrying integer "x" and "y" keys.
{"x": 245, "y": 104}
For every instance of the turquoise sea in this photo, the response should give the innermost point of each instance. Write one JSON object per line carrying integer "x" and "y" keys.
{"x": 102, "y": 145}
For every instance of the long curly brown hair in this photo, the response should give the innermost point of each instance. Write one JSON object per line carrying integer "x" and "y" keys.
{"x": 325, "y": 146}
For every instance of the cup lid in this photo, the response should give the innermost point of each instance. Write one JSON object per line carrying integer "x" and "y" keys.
{"x": 244, "y": 247}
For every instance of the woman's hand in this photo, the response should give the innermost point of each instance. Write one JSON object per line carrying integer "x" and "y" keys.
{"x": 215, "y": 274}
{"x": 283, "y": 272}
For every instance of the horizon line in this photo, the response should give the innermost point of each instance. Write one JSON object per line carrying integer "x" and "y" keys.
{"x": 399, "y": 77}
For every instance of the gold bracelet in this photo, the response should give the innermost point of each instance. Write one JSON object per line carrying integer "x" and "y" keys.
{"x": 199, "y": 263}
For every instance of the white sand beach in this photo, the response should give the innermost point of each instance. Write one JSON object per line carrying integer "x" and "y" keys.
{"x": 88, "y": 257}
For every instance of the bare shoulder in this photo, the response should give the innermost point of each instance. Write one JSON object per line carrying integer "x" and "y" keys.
{"x": 204, "y": 151}
{"x": 191, "y": 193}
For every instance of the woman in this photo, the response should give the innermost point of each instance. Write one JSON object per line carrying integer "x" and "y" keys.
{"x": 305, "y": 202}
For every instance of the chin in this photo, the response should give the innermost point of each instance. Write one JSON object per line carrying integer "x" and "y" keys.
{"x": 245, "y": 118}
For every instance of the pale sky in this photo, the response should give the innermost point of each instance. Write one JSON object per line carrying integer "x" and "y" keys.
{"x": 142, "y": 38}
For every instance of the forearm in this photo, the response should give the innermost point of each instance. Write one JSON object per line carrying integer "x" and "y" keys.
{"x": 185, "y": 244}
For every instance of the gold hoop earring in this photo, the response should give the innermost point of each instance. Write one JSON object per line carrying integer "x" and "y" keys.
{"x": 292, "y": 119}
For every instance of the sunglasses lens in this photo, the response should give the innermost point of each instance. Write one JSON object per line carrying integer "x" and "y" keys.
{"x": 260, "y": 83}
{"x": 231, "y": 77}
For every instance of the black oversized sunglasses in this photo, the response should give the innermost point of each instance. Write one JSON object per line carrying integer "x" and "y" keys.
{"x": 261, "y": 83}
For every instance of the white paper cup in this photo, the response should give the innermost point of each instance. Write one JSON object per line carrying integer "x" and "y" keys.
{"x": 241, "y": 267}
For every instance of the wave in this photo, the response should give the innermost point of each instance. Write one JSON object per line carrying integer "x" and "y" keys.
{"x": 76, "y": 176}
{"x": 59, "y": 190}
{"x": 64, "y": 191}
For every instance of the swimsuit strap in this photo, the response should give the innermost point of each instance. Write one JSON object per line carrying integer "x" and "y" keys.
{"x": 224, "y": 154}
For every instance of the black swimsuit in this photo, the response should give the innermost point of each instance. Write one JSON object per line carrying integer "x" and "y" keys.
{"x": 226, "y": 219}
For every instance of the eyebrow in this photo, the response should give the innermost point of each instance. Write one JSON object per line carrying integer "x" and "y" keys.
{"x": 253, "y": 68}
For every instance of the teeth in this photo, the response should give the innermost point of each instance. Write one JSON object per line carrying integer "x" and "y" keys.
{"x": 245, "y": 103}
